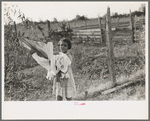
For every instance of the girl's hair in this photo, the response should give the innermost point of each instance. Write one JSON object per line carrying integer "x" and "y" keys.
{"x": 68, "y": 41}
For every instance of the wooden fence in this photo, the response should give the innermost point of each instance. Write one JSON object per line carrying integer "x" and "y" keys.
{"x": 97, "y": 32}
{"x": 110, "y": 52}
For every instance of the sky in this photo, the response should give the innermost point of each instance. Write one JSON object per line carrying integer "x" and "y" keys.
{"x": 37, "y": 11}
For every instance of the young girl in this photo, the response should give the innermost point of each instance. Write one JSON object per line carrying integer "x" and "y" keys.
{"x": 68, "y": 84}
{"x": 63, "y": 88}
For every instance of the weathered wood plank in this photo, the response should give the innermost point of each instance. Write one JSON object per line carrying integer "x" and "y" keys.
{"x": 110, "y": 48}
{"x": 131, "y": 27}
{"x": 100, "y": 27}
{"x": 86, "y": 34}
{"x": 48, "y": 24}
{"x": 118, "y": 87}
{"x": 89, "y": 32}
{"x": 15, "y": 29}
{"x": 84, "y": 37}
{"x": 117, "y": 22}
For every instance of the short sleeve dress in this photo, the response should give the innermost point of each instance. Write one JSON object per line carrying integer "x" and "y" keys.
{"x": 70, "y": 88}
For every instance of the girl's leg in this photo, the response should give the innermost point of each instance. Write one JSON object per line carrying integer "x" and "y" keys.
{"x": 58, "y": 88}
{"x": 64, "y": 89}
{"x": 54, "y": 86}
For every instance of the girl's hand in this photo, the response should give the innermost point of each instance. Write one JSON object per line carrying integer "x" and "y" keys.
{"x": 52, "y": 78}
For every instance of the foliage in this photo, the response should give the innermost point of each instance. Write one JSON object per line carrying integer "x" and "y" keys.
{"x": 65, "y": 31}
{"x": 78, "y": 18}
{"x": 142, "y": 8}
{"x": 16, "y": 57}
{"x": 138, "y": 13}
{"x": 55, "y": 20}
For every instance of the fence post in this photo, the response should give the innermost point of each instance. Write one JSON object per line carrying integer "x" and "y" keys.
{"x": 76, "y": 22}
{"x": 16, "y": 33}
{"x": 68, "y": 25}
{"x": 14, "y": 49}
{"x": 135, "y": 20}
{"x": 132, "y": 28}
{"x": 141, "y": 22}
{"x": 112, "y": 76}
{"x": 48, "y": 23}
{"x": 105, "y": 21}
{"x": 15, "y": 28}
{"x": 117, "y": 22}
{"x": 85, "y": 24}
{"x": 100, "y": 26}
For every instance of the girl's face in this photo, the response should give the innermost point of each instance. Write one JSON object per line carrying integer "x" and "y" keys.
{"x": 63, "y": 46}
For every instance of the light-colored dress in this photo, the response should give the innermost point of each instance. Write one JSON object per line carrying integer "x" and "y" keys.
{"x": 70, "y": 86}
{"x": 70, "y": 83}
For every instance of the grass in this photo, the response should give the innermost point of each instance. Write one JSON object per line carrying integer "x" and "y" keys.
{"x": 135, "y": 91}
{"x": 35, "y": 86}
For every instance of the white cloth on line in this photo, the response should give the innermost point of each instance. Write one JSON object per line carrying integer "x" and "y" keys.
{"x": 58, "y": 63}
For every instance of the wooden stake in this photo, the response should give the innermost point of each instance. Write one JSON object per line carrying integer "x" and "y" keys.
{"x": 135, "y": 20}
{"x": 117, "y": 22}
{"x": 15, "y": 28}
{"x": 131, "y": 21}
{"x": 110, "y": 48}
{"x": 100, "y": 26}
{"x": 141, "y": 24}
{"x": 119, "y": 87}
{"x": 131, "y": 27}
{"x": 48, "y": 23}
{"x": 75, "y": 22}
{"x": 68, "y": 24}
{"x": 105, "y": 21}
{"x": 85, "y": 23}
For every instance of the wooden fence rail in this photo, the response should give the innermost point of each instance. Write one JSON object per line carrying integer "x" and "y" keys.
{"x": 97, "y": 31}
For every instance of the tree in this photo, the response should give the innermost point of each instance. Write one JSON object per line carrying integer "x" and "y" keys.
{"x": 55, "y": 20}
{"x": 11, "y": 44}
{"x": 116, "y": 14}
{"x": 78, "y": 17}
{"x": 142, "y": 8}
{"x": 12, "y": 13}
